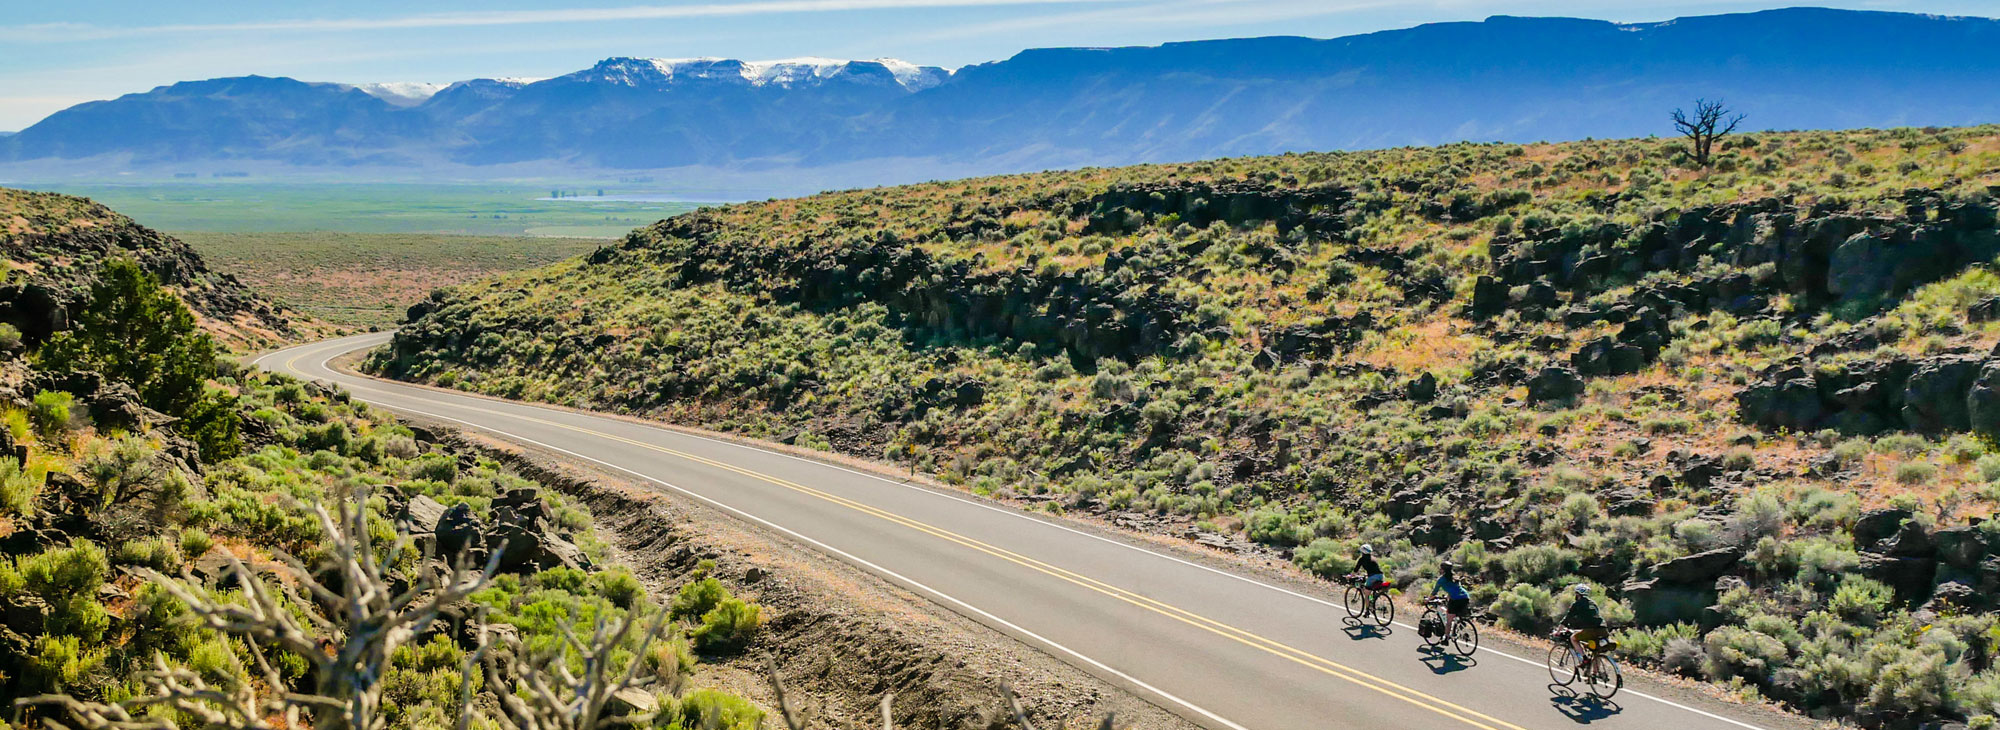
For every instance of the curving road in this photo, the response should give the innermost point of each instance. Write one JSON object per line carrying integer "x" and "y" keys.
{"x": 1225, "y": 651}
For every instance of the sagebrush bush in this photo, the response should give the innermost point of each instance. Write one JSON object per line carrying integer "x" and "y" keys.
{"x": 51, "y": 414}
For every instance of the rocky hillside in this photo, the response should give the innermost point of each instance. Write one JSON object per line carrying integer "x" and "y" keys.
{"x": 55, "y": 245}
{"x": 163, "y": 553}
{"x": 1755, "y": 401}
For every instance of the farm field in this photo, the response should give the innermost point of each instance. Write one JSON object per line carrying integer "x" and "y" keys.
{"x": 485, "y": 210}
{"x": 368, "y": 279}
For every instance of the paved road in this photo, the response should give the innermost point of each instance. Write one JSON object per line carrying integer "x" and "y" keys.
{"x": 1225, "y": 651}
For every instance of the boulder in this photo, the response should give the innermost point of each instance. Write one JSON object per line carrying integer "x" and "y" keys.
{"x": 1554, "y": 384}
{"x": 1627, "y": 502}
{"x": 1910, "y": 577}
{"x": 1606, "y": 356}
{"x": 1489, "y": 296}
{"x": 1982, "y": 403}
{"x": 1699, "y": 568}
{"x": 1876, "y": 525}
{"x": 1955, "y": 595}
{"x": 1912, "y": 540}
{"x": 1961, "y": 547}
{"x": 1937, "y": 396}
{"x": 421, "y": 515}
{"x": 1655, "y": 602}
{"x": 1791, "y": 404}
{"x": 459, "y": 532}
{"x": 1422, "y": 389}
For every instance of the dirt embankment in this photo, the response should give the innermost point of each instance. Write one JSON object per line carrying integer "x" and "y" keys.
{"x": 840, "y": 637}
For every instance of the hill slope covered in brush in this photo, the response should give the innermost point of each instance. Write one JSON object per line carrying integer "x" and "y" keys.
{"x": 55, "y": 245}
{"x": 1753, "y": 402}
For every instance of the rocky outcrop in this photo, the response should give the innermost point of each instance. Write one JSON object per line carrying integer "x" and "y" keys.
{"x": 65, "y": 240}
{"x": 1941, "y": 394}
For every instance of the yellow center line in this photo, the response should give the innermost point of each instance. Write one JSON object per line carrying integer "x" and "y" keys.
{"x": 1298, "y": 656}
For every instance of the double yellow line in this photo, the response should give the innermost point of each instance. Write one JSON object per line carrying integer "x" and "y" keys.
{"x": 1329, "y": 667}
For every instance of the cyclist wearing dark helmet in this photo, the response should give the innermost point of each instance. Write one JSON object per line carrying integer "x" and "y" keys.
{"x": 1458, "y": 603}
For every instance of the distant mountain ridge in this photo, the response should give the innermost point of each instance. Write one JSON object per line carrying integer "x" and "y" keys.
{"x": 1502, "y": 79}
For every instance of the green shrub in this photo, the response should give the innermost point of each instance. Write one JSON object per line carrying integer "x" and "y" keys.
{"x": 1739, "y": 459}
{"x": 435, "y": 467}
{"x": 707, "y": 709}
{"x": 135, "y": 330}
{"x": 1862, "y": 600}
{"x": 728, "y": 627}
{"x": 1526, "y": 608}
{"x": 698, "y": 598}
{"x": 1735, "y": 652}
{"x": 1913, "y": 682}
{"x": 1915, "y": 472}
{"x": 1325, "y": 558}
{"x": 67, "y": 571}
{"x": 1650, "y": 644}
{"x": 159, "y": 552}
{"x": 195, "y": 543}
{"x": 18, "y": 488}
{"x": 62, "y": 663}
{"x": 619, "y": 587}
{"x": 1540, "y": 564}
{"x": 51, "y": 414}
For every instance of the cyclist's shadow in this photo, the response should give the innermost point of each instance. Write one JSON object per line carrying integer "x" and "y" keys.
{"x": 1581, "y": 708}
{"x": 1358, "y": 629}
{"x": 1443, "y": 661}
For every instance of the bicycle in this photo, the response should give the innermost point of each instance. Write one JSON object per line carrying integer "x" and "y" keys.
{"x": 1461, "y": 633}
{"x": 1366, "y": 602}
{"x": 1599, "y": 670}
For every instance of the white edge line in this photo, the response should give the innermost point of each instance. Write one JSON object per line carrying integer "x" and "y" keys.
{"x": 1018, "y": 515}
{"x": 851, "y": 558}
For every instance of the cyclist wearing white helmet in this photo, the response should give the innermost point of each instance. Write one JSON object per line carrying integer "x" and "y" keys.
{"x": 1586, "y": 625}
{"x": 1367, "y": 566}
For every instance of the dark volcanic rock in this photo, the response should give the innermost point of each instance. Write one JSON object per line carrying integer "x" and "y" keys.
{"x": 1554, "y": 384}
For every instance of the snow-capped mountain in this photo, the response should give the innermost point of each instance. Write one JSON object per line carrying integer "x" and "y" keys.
{"x": 401, "y": 93}
{"x": 1502, "y": 79}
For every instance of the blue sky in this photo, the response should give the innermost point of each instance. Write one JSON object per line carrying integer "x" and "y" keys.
{"x": 54, "y": 54}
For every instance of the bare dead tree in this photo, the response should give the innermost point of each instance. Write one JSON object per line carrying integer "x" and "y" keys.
{"x": 366, "y": 620}
{"x": 537, "y": 690}
{"x": 1711, "y": 121}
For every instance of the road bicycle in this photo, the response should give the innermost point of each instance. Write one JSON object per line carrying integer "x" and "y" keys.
{"x": 1369, "y": 603}
{"x": 1461, "y": 634}
{"x": 1598, "y": 670}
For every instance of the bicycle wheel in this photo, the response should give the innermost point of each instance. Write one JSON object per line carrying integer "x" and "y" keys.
{"x": 1605, "y": 678}
{"x": 1432, "y": 617}
{"x": 1465, "y": 636}
{"x": 1562, "y": 664}
{"x": 1353, "y": 600}
{"x": 1385, "y": 609}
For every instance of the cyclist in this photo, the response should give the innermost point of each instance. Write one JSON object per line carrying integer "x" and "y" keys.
{"x": 1458, "y": 603}
{"x": 1367, "y": 566}
{"x": 1585, "y": 624}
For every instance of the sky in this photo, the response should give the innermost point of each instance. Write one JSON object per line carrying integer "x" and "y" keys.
{"x": 56, "y": 54}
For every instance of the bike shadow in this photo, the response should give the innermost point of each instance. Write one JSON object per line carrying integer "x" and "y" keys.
{"x": 1444, "y": 661}
{"x": 1581, "y": 708}
{"x": 1357, "y": 629}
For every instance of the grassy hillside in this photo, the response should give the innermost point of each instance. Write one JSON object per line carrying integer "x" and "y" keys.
{"x": 369, "y": 279}
{"x": 1754, "y": 402}
{"x": 161, "y": 560}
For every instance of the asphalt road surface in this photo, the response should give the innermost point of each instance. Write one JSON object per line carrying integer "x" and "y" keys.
{"x": 1225, "y": 651}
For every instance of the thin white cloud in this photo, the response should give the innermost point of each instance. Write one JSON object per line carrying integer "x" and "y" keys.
{"x": 1195, "y": 13}
{"x": 47, "y": 32}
